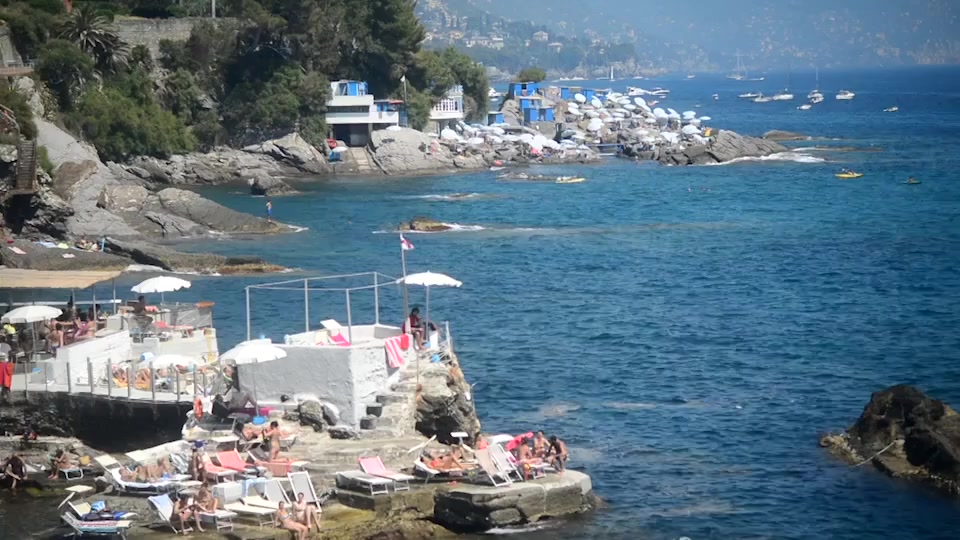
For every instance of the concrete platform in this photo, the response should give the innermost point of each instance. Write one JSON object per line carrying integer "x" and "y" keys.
{"x": 473, "y": 508}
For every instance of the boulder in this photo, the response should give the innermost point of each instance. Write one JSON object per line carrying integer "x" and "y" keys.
{"x": 342, "y": 432}
{"x": 407, "y": 151}
{"x": 206, "y": 263}
{"x": 310, "y": 413}
{"x": 777, "y": 135}
{"x": 445, "y": 404}
{"x": 424, "y": 224}
{"x": 730, "y": 145}
{"x": 37, "y": 257}
{"x": 211, "y": 215}
{"x": 270, "y": 186}
{"x": 906, "y": 434}
{"x": 292, "y": 149}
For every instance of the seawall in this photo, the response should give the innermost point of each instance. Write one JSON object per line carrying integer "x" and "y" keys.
{"x": 150, "y": 32}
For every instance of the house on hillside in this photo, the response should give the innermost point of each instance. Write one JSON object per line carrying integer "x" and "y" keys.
{"x": 555, "y": 46}
{"x": 353, "y": 113}
{"x": 541, "y": 36}
{"x": 496, "y": 42}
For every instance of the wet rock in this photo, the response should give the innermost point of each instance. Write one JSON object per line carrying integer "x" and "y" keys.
{"x": 146, "y": 253}
{"x": 906, "y": 434}
{"x": 424, "y": 224}
{"x": 777, "y": 135}
{"x": 270, "y": 186}
{"x": 293, "y": 150}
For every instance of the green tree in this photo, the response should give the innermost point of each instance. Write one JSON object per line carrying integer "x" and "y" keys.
{"x": 290, "y": 100}
{"x": 89, "y": 31}
{"x": 29, "y": 28}
{"x": 531, "y": 74}
{"x": 65, "y": 69}
{"x": 473, "y": 78}
{"x": 17, "y": 104}
{"x": 140, "y": 58}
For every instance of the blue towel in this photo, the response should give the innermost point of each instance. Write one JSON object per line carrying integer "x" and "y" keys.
{"x": 248, "y": 485}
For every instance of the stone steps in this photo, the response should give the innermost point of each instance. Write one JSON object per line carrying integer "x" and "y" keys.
{"x": 361, "y": 159}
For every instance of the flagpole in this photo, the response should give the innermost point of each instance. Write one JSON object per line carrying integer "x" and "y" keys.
{"x": 406, "y": 298}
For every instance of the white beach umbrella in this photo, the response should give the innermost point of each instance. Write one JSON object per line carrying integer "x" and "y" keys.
{"x": 249, "y": 352}
{"x": 449, "y": 134}
{"x": 580, "y": 98}
{"x": 428, "y": 280}
{"x": 690, "y": 130}
{"x": 597, "y": 104}
{"x": 160, "y": 284}
{"x": 595, "y": 125}
{"x": 31, "y": 314}
{"x": 705, "y": 119}
{"x": 650, "y": 120}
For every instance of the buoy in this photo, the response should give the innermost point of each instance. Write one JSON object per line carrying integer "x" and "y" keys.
{"x": 198, "y": 408}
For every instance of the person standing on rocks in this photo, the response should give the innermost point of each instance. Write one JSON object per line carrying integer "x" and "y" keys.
{"x": 269, "y": 210}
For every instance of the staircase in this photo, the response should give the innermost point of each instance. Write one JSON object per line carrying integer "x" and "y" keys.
{"x": 26, "y": 179}
{"x": 361, "y": 159}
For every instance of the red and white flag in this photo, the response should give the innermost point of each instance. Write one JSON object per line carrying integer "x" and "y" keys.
{"x": 405, "y": 244}
{"x": 394, "y": 347}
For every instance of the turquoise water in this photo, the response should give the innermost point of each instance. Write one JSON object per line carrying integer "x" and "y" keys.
{"x": 688, "y": 331}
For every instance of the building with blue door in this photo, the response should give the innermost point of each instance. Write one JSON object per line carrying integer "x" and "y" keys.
{"x": 353, "y": 114}
{"x": 495, "y": 117}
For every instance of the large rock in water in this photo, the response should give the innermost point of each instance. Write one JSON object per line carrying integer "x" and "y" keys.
{"x": 906, "y": 434}
{"x": 168, "y": 259}
{"x": 730, "y": 145}
{"x": 294, "y": 150}
{"x": 424, "y": 224}
{"x": 408, "y": 151}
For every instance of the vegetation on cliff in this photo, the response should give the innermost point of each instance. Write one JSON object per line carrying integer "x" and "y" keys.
{"x": 260, "y": 74}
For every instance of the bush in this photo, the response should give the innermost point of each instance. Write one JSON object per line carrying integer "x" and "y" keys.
{"x": 288, "y": 101}
{"x": 65, "y": 69}
{"x": 17, "y": 103}
{"x": 29, "y": 28}
{"x": 43, "y": 158}
{"x": 121, "y": 127}
{"x": 531, "y": 74}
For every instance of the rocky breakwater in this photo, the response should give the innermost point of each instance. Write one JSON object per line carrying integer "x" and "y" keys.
{"x": 643, "y": 132}
{"x": 404, "y": 151}
{"x": 906, "y": 434}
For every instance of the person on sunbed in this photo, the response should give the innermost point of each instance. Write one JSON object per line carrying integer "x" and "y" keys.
{"x": 272, "y": 434}
{"x": 306, "y": 514}
{"x": 61, "y": 461}
{"x": 451, "y": 462}
{"x": 540, "y": 445}
{"x": 205, "y": 500}
{"x": 557, "y": 454}
{"x": 415, "y": 327}
{"x": 285, "y": 520}
{"x": 525, "y": 454}
{"x": 184, "y": 510}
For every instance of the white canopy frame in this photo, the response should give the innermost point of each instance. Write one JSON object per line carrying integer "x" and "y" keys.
{"x": 307, "y": 285}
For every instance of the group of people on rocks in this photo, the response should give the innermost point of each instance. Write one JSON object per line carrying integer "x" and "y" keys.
{"x": 526, "y": 449}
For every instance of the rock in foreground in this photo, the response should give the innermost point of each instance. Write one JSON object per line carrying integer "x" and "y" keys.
{"x": 906, "y": 434}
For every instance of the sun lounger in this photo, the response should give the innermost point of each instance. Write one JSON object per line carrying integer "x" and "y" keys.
{"x": 262, "y": 515}
{"x": 301, "y": 483}
{"x": 374, "y": 484}
{"x": 112, "y": 467}
{"x": 96, "y": 528}
{"x": 217, "y": 472}
{"x": 497, "y": 477}
{"x": 231, "y": 460}
{"x": 273, "y": 491}
{"x": 260, "y": 502}
{"x": 73, "y": 473}
{"x": 374, "y": 466}
{"x": 222, "y": 519}
{"x": 83, "y": 508}
{"x": 281, "y": 468}
{"x": 164, "y": 507}
{"x": 508, "y": 463}
{"x": 425, "y": 470}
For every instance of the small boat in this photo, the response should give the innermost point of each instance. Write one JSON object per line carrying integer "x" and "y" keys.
{"x": 782, "y": 96}
{"x": 659, "y": 92}
{"x": 817, "y": 98}
{"x": 716, "y": 97}
{"x": 805, "y": 107}
{"x": 762, "y": 99}
{"x": 691, "y": 76}
{"x": 848, "y": 175}
{"x": 749, "y": 95}
{"x": 892, "y": 109}
{"x": 570, "y": 180}
{"x": 912, "y": 181}
{"x": 634, "y": 91}
{"x": 845, "y": 95}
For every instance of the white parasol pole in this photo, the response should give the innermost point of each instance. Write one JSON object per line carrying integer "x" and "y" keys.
{"x": 403, "y": 268}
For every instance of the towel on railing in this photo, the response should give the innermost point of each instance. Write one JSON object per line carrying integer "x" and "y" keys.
{"x": 395, "y": 347}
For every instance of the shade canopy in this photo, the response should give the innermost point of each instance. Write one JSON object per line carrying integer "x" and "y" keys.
{"x": 430, "y": 279}
{"x": 167, "y": 360}
{"x": 16, "y": 278}
{"x": 253, "y": 351}
{"x": 161, "y": 284}
{"x": 31, "y": 314}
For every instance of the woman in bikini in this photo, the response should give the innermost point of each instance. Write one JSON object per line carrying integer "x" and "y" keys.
{"x": 284, "y": 520}
{"x": 273, "y": 435}
{"x": 205, "y": 500}
{"x": 184, "y": 509}
{"x": 306, "y": 514}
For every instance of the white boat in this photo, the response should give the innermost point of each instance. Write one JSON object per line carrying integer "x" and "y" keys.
{"x": 750, "y": 95}
{"x": 817, "y": 98}
{"x": 738, "y": 74}
{"x": 659, "y": 92}
{"x": 805, "y": 107}
{"x": 762, "y": 99}
{"x": 691, "y": 76}
{"x": 716, "y": 97}
{"x": 782, "y": 96}
{"x": 634, "y": 91}
{"x": 892, "y": 109}
{"x": 816, "y": 90}
{"x": 845, "y": 95}
{"x": 758, "y": 79}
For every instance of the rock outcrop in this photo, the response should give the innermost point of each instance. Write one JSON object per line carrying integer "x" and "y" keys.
{"x": 445, "y": 403}
{"x": 725, "y": 146}
{"x": 424, "y": 224}
{"x": 778, "y": 135}
{"x": 906, "y": 434}
{"x": 206, "y": 263}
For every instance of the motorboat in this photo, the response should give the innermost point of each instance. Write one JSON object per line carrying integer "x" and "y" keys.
{"x": 805, "y": 107}
{"x": 892, "y": 109}
{"x": 817, "y": 98}
{"x": 816, "y": 90}
{"x": 845, "y": 95}
{"x": 782, "y": 96}
{"x": 716, "y": 97}
{"x": 634, "y": 91}
{"x": 493, "y": 94}
{"x": 912, "y": 181}
{"x": 846, "y": 175}
{"x": 659, "y": 92}
{"x": 762, "y": 99}
{"x": 750, "y": 95}
{"x": 691, "y": 76}
{"x": 570, "y": 180}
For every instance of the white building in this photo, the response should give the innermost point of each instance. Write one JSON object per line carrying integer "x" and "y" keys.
{"x": 449, "y": 110}
{"x": 352, "y": 113}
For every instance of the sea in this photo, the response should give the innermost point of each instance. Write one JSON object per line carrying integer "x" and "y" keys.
{"x": 690, "y": 332}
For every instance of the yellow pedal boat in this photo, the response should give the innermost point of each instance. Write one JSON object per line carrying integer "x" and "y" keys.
{"x": 848, "y": 175}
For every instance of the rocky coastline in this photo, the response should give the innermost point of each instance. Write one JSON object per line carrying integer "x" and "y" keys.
{"x": 905, "y": 434}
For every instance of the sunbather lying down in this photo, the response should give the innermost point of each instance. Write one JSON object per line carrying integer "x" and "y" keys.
{"x": 445, "y": 462}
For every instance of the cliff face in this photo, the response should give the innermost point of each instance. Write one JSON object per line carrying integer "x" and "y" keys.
{"x": 445, "y": 403}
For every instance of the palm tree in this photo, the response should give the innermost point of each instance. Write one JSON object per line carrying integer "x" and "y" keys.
{"x": 91, "y": 34}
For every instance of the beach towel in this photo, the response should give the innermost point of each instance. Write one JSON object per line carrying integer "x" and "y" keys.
{"x": 6, "y": 375}
{"x": 394, "y": 347}
{"x": 17, "y": 250}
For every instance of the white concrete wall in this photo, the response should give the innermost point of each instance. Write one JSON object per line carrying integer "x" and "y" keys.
{"x": 102, "y": 351}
